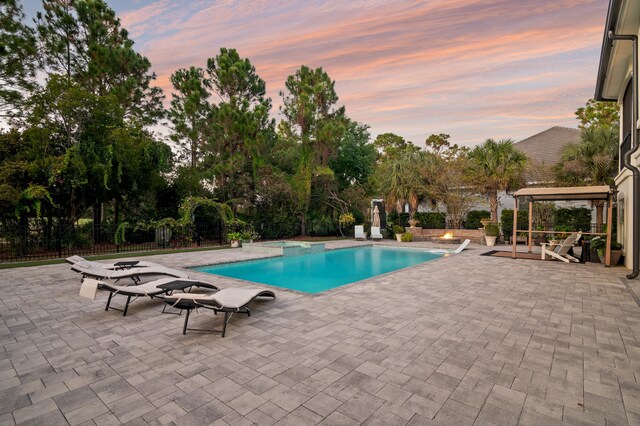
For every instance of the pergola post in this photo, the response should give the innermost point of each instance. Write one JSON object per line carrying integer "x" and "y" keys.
{"x": 515, "y": 226}
{"x": 607, "y": 256}
{"x": 530, "y": 238}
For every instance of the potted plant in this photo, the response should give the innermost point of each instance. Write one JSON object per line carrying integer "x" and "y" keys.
{"x": 413, "y": 223}
{"x": 249, "y": 235}
{"x": 598, "y": 247}
{"x": 398, "y": 230}
{"x": 407, "y": 237}
{"x": 491, "y": 231}
{"x": 234, "y": 238}
{"x": 485, "y": 221}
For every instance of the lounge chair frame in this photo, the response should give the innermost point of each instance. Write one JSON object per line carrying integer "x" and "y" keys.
{"x": 190, "y": 305}
{"x": 169, "y": 287}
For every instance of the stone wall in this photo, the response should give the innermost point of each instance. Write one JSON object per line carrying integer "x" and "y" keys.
{"x": 475, "y": 235}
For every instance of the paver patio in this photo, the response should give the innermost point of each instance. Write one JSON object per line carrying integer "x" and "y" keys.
{"x": 461, "y": 340}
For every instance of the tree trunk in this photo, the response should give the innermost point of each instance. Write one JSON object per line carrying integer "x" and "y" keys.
{"x": 97, "y": 222}
{"x": 493, "y": 206}
{"x": 303, "y": 224}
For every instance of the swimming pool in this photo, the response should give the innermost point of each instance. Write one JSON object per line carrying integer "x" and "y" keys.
{"x": 314, "y": 273}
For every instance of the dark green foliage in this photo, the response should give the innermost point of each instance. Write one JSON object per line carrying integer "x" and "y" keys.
{"x": 492, "y": 230}
{"x": 316, "y": 125}
{"x": 356, "y": 156}
{"x": 17, "y": 56}
{"x": 189, "y": 113}
{"x": 575, "y": 219}
{"x": 395, "y": 218}
{"x": 506, "y": 221}
{"x": 241, "y": 134}
{"x": 431, "y": 220}
{"x": 472, "y": 221}
{"x": 391, "y": 146}
{"x": 397, "y": 229}
{"x": 83, "y": 40}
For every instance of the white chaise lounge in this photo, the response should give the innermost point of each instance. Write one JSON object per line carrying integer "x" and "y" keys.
{"x": 375, "y": 233}
{"x": 228, "y": 300}
{"x": 149, "y": 289}
{"x": 461, "y": 247}
{"x": 359, "y": 233}
{"x": 132, "y": 273}
{"x": 124, "y": 264}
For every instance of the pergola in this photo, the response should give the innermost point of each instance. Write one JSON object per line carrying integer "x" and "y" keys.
{"x": 586, "y": 193}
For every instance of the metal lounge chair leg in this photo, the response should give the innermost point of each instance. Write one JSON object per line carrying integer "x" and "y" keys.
{"x": 186, "y": 322}
{"x": 224, "y": 326}
{"x": 109, "y": 301}
{"x": 126, "y": 306}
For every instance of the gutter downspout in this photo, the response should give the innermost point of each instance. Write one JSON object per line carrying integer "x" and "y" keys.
{"x": 634, "y": 148}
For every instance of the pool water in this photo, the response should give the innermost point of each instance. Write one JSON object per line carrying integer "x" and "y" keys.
{"x": 314, "y": 273}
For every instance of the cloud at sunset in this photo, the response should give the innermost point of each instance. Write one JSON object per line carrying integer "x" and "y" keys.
{"x": 474, "y": 69}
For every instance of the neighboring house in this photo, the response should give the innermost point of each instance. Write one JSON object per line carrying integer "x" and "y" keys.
{"x": 615, "y": 83}
{"x": 543, "y": 150}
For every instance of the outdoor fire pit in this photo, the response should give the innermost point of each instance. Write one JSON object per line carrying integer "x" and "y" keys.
{"x": 447, "y": 238}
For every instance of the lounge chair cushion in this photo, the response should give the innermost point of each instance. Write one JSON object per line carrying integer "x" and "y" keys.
{"x": 128, "y": 273}
{"x": 229, "y": 298}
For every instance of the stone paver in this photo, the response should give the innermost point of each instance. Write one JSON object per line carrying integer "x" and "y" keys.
{"x": 465, "y": 339}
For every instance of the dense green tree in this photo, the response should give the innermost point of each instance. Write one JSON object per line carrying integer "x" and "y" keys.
{"x": 190, "y": 113}
{"x": 598, "y": 113}
{"x": 314, "y": 121}
{"x": 592, "y": 161}
{"x": 85, "y": 41}
{"x": 17, "y": 56}
{"x": 241, "y": 133}
{"x": 355, "y": 159}
{"x": 496, "y": 166}
{"x": 390, "y": 146}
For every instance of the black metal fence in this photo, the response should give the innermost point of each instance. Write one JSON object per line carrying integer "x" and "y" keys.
{"x": 41, "y": 239}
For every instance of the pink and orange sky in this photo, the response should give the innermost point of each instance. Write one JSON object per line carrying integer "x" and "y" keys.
{"x": 471, "y": 68}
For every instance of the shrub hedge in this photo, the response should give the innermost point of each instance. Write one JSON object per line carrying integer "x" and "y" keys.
{"x": 472, "y": 221}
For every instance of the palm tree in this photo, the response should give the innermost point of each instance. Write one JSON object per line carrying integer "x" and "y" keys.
{"x": 496, "y": 166}
{"x": 401, "y": 181}
{"x": 592, "y": 161}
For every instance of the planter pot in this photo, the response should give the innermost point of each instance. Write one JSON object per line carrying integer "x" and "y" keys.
{"x": 413, "y": 223}
{"x": 485, "y": 222}
{"x": 491, "y": 241}
{"x": 615, "y": 257}
{"x": 235, "y": 243}
{"x": 399, "y": 237}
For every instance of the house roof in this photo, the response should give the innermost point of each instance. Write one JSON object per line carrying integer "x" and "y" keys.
{"x": 544, "y": 149}
{"x": 565, "y": 193}
{"x": 605, "y": 52}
